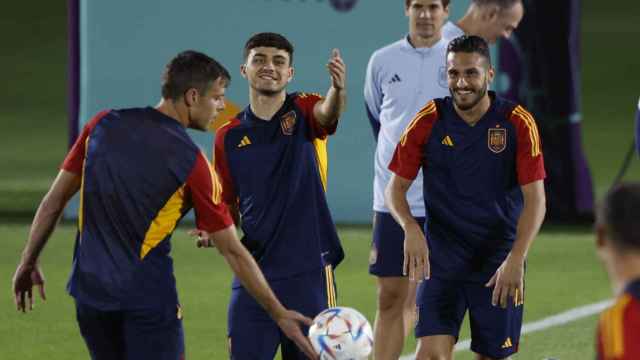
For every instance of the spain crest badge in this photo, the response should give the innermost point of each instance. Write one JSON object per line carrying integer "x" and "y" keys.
{"x": 288, "y": 122}
{"x": 497, "y": 139}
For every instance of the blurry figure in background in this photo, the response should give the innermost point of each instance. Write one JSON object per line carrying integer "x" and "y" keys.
{"x": 540, "y": 68}
{"x": 401, "y": 78}
{"x": 618, "y": 246}
{"x": 138, "y": 173}
{"x": 489, "y": 19}
{"x": 272, "y": 162}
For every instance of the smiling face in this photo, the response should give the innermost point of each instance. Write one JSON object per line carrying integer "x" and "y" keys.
{"x": 426, "y": 17}
{"x": 469, "y": 76}
{"x": 268, "y": 70}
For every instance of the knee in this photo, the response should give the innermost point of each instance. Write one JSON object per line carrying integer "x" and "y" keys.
{"x": 391, "y": 298}
{"x": 431, "y": 355}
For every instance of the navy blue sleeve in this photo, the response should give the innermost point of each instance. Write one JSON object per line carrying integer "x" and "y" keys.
{"x": 375, "y": 123}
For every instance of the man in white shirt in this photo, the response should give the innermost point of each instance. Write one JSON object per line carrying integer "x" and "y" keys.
{"x": 401, "y": 78}
{"x": 489, "y": 19}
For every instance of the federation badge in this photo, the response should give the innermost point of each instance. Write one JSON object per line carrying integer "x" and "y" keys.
{"x": 288, "y": 122}
{"x": 497, "y": 140}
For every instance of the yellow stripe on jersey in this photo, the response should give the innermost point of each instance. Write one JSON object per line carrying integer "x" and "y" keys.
{"x": 612, "y": 328}
{"x": 164, "y": 223}
{"x": 527, "y": 118}
{"x": 81, "y": 205}
{"x": 330, "y": 285}
{"x": 216, "y": 187}
{"x": 430, "y": 108}
{"x": 322, "y": 160}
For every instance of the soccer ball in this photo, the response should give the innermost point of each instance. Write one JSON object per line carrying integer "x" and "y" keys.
{"x": 341, "y": 333}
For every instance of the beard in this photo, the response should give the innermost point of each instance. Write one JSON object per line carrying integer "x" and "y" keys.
{"x": 268, "y": 92}
{"x": 479, "y": 94}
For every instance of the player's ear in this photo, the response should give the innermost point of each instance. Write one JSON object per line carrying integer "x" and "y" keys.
{"x": 191, "y": 97}
{"x": 491, "y": 73}
{"x": 243, "y": 70}
{"x": 491, "y": 12}
{"x": 291, "y": 72}
{"x": 601, "y": 235}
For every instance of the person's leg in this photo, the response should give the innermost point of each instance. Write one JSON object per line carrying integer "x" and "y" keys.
{"x": 102, "y": 332}
{"x": 308, "y": 294}
{"x": 395, "y": 313}
{"x": 441, "y": 309}
{"x": 154, "y": 333}
{"x": 495, "y": 332}
{"x": 253, "y": 335}
{"x": 436, "y": 347}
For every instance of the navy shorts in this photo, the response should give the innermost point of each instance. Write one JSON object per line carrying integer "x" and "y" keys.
{"x": 253, "y": 335}
{"x": 387, "y": 248}
{"x": 442, "y": 304}
{"x": 132, "y": 334}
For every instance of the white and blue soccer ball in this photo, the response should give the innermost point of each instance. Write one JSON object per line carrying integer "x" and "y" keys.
{"x": 341, "y": 333}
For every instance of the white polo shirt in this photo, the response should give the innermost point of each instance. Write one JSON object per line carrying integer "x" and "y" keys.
{"x": 400, "y": 80}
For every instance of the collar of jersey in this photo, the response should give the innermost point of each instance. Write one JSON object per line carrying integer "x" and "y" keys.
{"x": 406, "y": 44}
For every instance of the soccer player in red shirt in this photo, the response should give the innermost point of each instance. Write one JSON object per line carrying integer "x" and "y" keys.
{"x": 484, "y": 196}
{"x": 138, "y": 173}
{"x": 618, "y": 246}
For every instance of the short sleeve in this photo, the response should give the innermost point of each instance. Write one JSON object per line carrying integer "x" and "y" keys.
{"x": 206, "y": 196}
{"x": 373, "y": 96}
{"x": 75, "y": 158}
{"x": 221, "y": 166}
{"x": 306, "y": 102}
{"x": 408, "y": 156}
{"x": 529, "y": 158}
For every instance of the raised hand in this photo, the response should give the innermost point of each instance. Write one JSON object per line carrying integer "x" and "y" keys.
{"x": 337, "y": 70}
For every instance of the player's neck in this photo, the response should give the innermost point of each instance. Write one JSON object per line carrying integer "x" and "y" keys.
{"x": 624, "y": 270}
{"x": 424, "y": 42}
{"x": 265, "y": 106}
{"x": 172, "y": 110}
{"x": 473, "y": 115}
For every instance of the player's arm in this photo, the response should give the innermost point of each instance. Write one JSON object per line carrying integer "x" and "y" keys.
{"x": 28, "y": 272}
{"x": 372, "y": 97}
{"x": 328, "y": 110}
{"x": 508, "y": 281}
{"x": 215, "y": 228}
{"x": 405, "y": 164}
{"x": 416, "y": 252}
{"x": 65, "y": 185}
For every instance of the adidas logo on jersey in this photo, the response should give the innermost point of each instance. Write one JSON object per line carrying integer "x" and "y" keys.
{"x": 244, "y": 142}
{"x": 507, "y": 343}
{"x": 395, "y": 79}
{"x": 447, "y": 141}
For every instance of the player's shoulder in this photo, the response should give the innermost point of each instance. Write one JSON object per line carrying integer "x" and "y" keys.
{"x": 430, "y": 112}
{"x": 303, "y": 100}
{"x": 388, "y": 52}
{"x": 229, "y": 125}
{"x": 451, "y": 31}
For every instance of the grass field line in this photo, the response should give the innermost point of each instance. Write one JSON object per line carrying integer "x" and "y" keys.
{"x": 548, "y": 322}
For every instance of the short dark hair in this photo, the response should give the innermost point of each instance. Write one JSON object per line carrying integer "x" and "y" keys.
{"x": 618, "y": 212}
{"x": 445, "y": 3}
{"x": 191, "y": 69}
{"x": 470, "y": 44}
{"x": 269, "y": 39}
{"x": 501, "y": 4}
